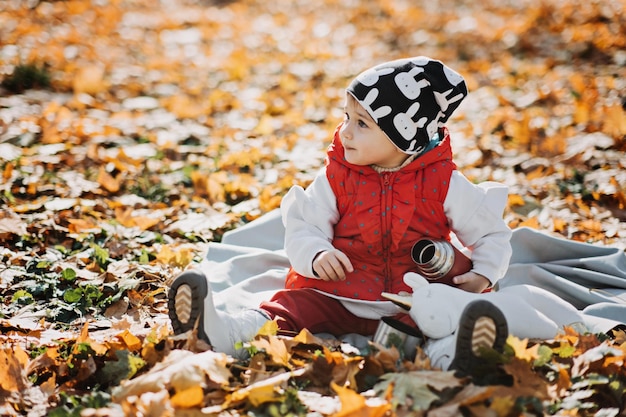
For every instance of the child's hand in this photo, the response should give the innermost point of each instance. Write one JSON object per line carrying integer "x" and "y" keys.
{"x": 472, "y": 282}
{"x": 332, "y": 265}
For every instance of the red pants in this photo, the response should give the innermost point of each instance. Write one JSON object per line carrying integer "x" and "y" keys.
{"x": 306, "y": 308}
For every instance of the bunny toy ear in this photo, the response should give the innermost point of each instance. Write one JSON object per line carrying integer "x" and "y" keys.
{"x": 414, "y": 280}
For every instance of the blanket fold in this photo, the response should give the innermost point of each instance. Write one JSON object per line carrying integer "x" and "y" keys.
{"x": 250, "y": 265}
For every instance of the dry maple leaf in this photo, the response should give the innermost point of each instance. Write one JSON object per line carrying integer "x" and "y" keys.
{"x": 521, "y": 349}
{"x": 416, "y": 390}
{"x": 526, "y": 382}
{"x": 275, "y": 347}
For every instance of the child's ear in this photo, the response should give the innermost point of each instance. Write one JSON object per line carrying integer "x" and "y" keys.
{"x": 414, "y": 280}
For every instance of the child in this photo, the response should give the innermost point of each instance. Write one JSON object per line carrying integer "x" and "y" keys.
{"x": 388, "y": 181}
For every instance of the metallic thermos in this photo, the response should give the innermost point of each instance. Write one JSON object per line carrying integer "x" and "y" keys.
{"x": 405, "y": 338}
{"x": 439, "y": 260}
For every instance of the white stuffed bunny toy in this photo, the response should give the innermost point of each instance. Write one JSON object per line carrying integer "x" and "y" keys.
{"x": 531, "y": 312}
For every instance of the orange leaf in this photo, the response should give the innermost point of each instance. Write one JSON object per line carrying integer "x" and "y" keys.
{"x": 89, "y": 80}
{"x": 270, "y": 328}
{"x": 123, "y": 216}
{"x": 536, "y": 173}
{"x": 130, "y": 340}
{"x": 126, "y": 219}
{"x": 107, "y": 181}
{"x": 188, "y": 398}
{"x": 614, "y": 119}
{"x": 14, "y": 361}
{"x": 516, "y": 200}
{"x": 533, "y": 223}
{"x": 354, "y": 405}
{"x": 145, "y": 223}
{"x": 82, "y": 225}
{"x": 8, "y": 171}
{"x": 97, "y": 347}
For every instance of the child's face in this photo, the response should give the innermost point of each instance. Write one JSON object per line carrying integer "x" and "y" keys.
{"x": 364, "y": 142}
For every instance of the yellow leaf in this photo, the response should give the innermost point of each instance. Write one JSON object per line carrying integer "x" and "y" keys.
{"x": 265, "y": 126}
{"x": 188, "y": 398}
{"x": 215, "y": 189}
{"x": 181, "y": 257}
{"x": 521, "y": 349}
{"x": 270, "y": 328}
{"x": 268, "y": 201}
{"x": 274, "y": 347}
{"x": 502, "y": 405}
{"x": 263, "y": 394}
{"x": 306, "y": 337}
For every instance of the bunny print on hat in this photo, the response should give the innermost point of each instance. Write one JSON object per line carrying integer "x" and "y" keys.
{"x": 410, "y": 99}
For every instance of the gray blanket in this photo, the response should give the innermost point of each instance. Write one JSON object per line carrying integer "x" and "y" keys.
{"x": 250, "y": 264}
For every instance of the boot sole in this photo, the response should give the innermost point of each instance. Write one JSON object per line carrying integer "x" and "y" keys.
{"x": 186, "y": 303}
{"x": 482, "y": 326}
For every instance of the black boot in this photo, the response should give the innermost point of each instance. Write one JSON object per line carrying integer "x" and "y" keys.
{"x": 190, "y": 303}
{"x": 480, "y": 341}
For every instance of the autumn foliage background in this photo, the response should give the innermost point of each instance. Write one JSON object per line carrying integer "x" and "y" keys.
{"x": 134, "y": 132}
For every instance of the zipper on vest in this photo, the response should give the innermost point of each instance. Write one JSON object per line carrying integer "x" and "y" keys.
{"x": 386, "y": 221}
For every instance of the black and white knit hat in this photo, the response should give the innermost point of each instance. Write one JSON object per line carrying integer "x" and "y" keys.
{"x": 409, "y": 99}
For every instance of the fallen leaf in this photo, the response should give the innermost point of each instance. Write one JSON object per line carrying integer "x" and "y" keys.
{"x": 353, "y": 404}
{"x": 179, "y": 371}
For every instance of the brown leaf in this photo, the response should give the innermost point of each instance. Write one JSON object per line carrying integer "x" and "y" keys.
{"x": 526, "y": 382}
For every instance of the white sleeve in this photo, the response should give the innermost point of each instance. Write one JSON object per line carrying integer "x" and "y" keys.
{"x": 475, "y": 216}
{"x": 309, "y": 216}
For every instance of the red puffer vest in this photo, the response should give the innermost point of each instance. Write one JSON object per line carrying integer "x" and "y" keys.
{"x": 381, "y": 216}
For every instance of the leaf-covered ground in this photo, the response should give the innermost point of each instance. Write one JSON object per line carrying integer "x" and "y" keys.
{"x": 134, "y": 132}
